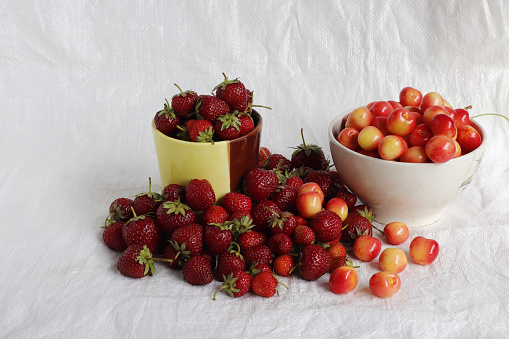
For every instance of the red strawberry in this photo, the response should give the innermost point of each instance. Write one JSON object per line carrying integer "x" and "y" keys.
{"x": 200, "y": 194}
{"x": 233, "y": 92}
{"x": 173, "y": 192}
{"x": 172, "y": 215}
{"x": 278, "y": 161}
{"x": 309, "y": 155}
{"x": 136, "y": 261}
{"x": 215, "y": 214}
{"x": 175, "y": 255}
{"x": 228, "y": 262}
{"x": 263, "y": 157}
{"x": 184, "y": 103}
{"x": 327, "y": 225}
{"x": 227, "y": 126}
{"x": 294, "y": 181}
{"x": 250, "y": 239}
{"x": 240, "y": 222}
{"x": 217, "y": 238}
{"x": 142, "y": 230}
{"x": 285, "y": 197}
{"x": 200, "y": 130}
{"x": 284, "y": 265}
{"x": 364, "y": 211}
{"x": 145, "y": 203}
{"x": 262, "y": 212}
{"x": 246, "y": 124}
{"x": 283, "y": 222}
{"x": 341, "y": 261}
{"x": 280, "y": 244}
{"x": 191, "y": 235}
{"x": 303, "y": 235}
{"x": 210, "y": 107}
{"x": 112, "y": 236}
{"x": 264, "y": 284}
{"x": 166, "y": 121}
{"x": 314, "y": 262}
{"x": 197, "y": 270}
{"x": 236, "y": 284}
{"x": 259, "y": 267}
{"x": 120, "y": 210}
{"x": 236, "y": 201}
{"x": 258, "y": 254}
{"x": 323, "y": 178}
{"x": 355, "y": 225}
{"x": 349, "y": 197}
{"x": 260, "y": 184}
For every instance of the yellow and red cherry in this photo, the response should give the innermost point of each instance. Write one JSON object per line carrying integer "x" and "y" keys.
{"x": 440, "y": 148}
{"x": 423, "y": 250}
{"x": 393, "y": 260}
{"x": 384, "y": 284}
{"x": 401, "y": 122}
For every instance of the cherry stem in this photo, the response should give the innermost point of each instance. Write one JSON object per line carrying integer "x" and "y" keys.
{"x": 495, "y": 114}
{"x": 376, "y": 228}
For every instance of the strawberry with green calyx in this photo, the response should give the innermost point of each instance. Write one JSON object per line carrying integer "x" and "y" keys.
{"x": 364, "y": 211}
{"x": 247, "y": 123}
{"x": 236, "y": 284}
{"x": 262, "y": 212}
{"x": 240, "y": 222}
{"x": 265, "y": 284}
{"x": 282, "y": 222}
{"x": 227, "y": 126}
{"x": 112, "y": 236}
{"x": 171, "y": 215}
{"x": 354, "y": 226}
{"x": 279, "y": 162}
{"x": 217, "y": 237}
{"x": 257, "y": 267}
{"x": 200, "y": 130}
{"x": 210, "y": 108}
{"x": 120, "y": 210}
{"x": 190, "y": 235}
{"x": 184, "y": 103}
{"x": 145, "y": 203}
{"x": 166, "y": 121}
{"x": 175, "y": 255}
{"x": 229, "y": 261}
{"x": 309, "y": 155}
{"x": 341, "y": 261}
{"x": 263, "y": 157}
{"x": 143, "y": 230}
{"x": 136, "y": 261}
{"x": 197, "y": 270}
{"x": 233, "y": 92}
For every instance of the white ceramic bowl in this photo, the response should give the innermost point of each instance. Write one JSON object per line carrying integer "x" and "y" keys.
{"x": 416, "y": 194}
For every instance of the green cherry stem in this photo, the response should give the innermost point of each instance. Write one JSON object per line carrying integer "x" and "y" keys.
{"x": 495, "y": 114}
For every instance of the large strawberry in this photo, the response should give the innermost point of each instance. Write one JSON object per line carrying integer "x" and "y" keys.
{"x": 314, "y": 262}
{"x": 303, "y": 235}
{"x": 200, "y": 130}
{"x": 236, "y": 201}
{"x": 217, "y": 238}
{"x": 120, "y": 210}
{"x": 227, "y": 126}
{"x": 283, "y": 222}
{"x": 240, "y": 222}
{"x": 309, "y": 155}
{"x": 136, "y": 261}
{"x": 166, "y": 121}
{"x": 250, "y": 239}
{"x": 233, "y": 92}
{"x": 227, "y": 262}
{"x": 189, "y": 237}
{"x": 246, "y": 123}
{"x": 355, "y": 225}
{"x": 285, "y": 197}
{"x": 172, "y": 215}
{"x": 112, "y": 236}
{"x": 264, "y": 284}
{"x": 197, "y": 270}
{"x": 142, "y": 230}
{"x": 184, "y": 103}
{"x": 145, "y": 203}
{"x": 258, "y": 254}
{"x": 260, "y": 183}
{"x": 262, "y": 212}
{"x": 199, "y": 194}
{"x": 236, "y": 284}
{"x": 215, "y": 214}
{"x": 210, "y": 108}
{"x": 327, "y": 225}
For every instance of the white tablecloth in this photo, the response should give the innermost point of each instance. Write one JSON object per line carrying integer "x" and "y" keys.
{"x": 81, "y": 81}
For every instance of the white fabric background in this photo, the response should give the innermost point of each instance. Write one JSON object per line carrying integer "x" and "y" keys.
{"x": 81, "y": 80}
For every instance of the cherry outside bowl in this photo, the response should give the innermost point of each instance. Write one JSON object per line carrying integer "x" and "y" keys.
{"x": 416, "y": 194}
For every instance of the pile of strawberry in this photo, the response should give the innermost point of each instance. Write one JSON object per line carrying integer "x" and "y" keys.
{"x": 208, "y": 118}
{"x": 247, "y": 239}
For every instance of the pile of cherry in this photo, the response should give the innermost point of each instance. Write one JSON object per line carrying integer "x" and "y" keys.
{"x": 294, "y": 216}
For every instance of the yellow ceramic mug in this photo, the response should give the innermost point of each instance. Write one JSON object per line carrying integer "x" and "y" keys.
{"x": 223, "y": 163}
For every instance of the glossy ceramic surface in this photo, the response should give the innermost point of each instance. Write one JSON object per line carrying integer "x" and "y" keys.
{"x": 222, "y": 163}
{"x": 415, "y": 194}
